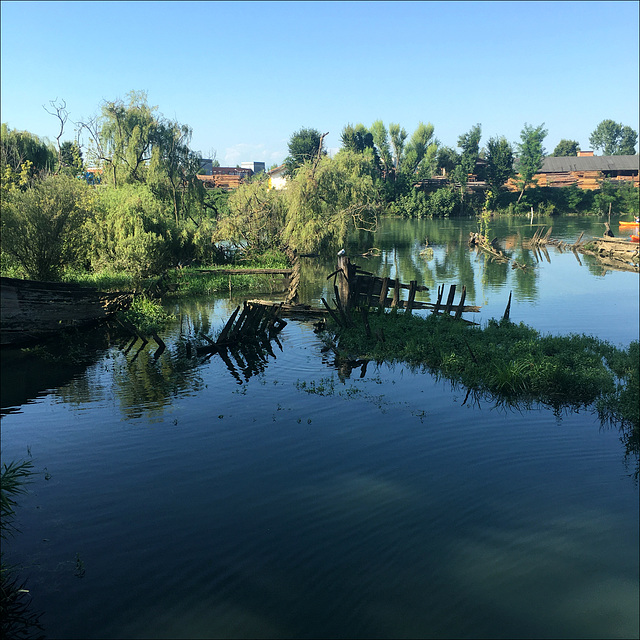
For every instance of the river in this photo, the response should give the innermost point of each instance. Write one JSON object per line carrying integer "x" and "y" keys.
{"x": 179, "y": 497}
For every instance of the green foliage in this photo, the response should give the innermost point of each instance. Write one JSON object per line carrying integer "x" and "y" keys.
{"x": 441, "y": 203}
{"x": 71, "y": 159}
{"x": 325, "y": 201}
{"x": 499, "y": 157}
{"x": 566, "y": 148}
{"x": 12, "y": 483}
{"x": 42, "y": 227}
{"x": 381, "y": 142}
{"x": 509, "y": 362}
{"x": 147, "y": 316}
{"x": 256, "y": 216}
{"x": 397, "y": 136}
{"x": 530, "y": 155}
{"x": 614, "y": 139}
{"x": 18, "y": 147}
{"x": 304, "y": 146}
{"x": 469, "y": 143}
{"x": 132, "y": 232}
{"x": 420, "y": 152}
{"x": 621, "y": 197}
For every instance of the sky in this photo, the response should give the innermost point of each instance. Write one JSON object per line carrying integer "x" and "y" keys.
{"x": 246, "y": 75}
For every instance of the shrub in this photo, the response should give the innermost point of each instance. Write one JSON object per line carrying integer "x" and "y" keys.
{"x": 42, "y": 227}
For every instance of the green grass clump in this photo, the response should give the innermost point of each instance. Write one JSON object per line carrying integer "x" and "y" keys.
{"x": 147, "y": 316}
{"x": 511, "y": 362}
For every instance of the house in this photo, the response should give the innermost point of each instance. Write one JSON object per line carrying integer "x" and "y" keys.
{"x": 225, "y": 177}
{"x": 585, "y": 170}
{"x": 277, "y": 178}
{"x": 256, "y": 167}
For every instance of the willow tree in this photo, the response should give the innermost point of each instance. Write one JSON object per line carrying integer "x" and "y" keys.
{"x": 255, "y": 217}
{"x": 123, "y": 138}
{"x": 327, "y": 199}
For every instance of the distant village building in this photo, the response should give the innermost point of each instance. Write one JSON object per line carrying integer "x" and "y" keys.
{"x": 206, "y": 165}
{"x": 225, "y": 177}
{"x": 586, "y": 171}
{"x": 277, "y": 178}
{"x": 256, "y": 167}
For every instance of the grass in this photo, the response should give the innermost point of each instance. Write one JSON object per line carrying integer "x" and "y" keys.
{"x": 147, "y": 316}
{"x": 512, "y": 363}
{"x": 16, "y": 618}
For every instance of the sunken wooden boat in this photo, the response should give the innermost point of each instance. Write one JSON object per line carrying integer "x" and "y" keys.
{"x": 31, "y": 310}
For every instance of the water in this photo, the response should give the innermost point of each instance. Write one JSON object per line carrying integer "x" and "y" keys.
{"x": 174, "y": 500}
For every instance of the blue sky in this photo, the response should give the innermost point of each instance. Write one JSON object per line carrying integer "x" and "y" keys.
{"x": 246, "y": 75}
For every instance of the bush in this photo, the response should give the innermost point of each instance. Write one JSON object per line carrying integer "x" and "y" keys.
{"x": 42, "y": 227}
{"x": 132, "y": 232}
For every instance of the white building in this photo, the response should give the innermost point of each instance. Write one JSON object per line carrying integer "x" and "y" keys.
{"x": 277, "y": 179}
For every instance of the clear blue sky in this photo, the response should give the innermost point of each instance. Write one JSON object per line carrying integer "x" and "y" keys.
{"x": 246, "y": 75}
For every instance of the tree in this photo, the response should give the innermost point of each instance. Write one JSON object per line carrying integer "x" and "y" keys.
{"x": 304, "y": 145}
{"x": 530, "y": 155}
{"x": 614, "y": 139}
{"x": 420, "y": 151}
{"x": 499, "y": 157}
{"x": 397, "y": 135}
{"x": 326, "y": 201}
{"x": 381, "y": 142}
{"x": 23, "y": 156}
{"x": 470, "y": 144}
{"x": 42, "y": 226}
{"x": 566, "y": 148}
{"x": 71, "y": 158}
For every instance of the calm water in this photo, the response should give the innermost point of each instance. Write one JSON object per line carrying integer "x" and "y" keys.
{"x": 186, "y": 498}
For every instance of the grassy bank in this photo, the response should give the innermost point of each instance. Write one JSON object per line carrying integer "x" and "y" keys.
{"x": 510, "y": 363}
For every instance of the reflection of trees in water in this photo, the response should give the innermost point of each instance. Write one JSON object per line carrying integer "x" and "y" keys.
{"x": 145, "y": 385}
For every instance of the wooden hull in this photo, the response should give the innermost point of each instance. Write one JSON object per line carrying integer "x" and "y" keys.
{"x": 31, "y": 310}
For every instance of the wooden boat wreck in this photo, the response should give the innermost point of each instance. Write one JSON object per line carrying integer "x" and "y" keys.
{"x": 31, "y": 310}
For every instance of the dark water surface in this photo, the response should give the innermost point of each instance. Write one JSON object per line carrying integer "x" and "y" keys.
{"x": 176, "y": 498}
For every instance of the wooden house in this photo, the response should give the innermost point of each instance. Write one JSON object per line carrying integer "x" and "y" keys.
{"x": 585, "y": 170}
{"x": 225, "y": 177}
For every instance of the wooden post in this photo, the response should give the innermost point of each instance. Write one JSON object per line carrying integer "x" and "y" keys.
{"x": 508, "y": 309}
{"x": 461, "y": 303}
{"x": 412, "y": 295}
{"x": 372, "y": 284}
{"x": 383, "y": 292}
{"x": 396, "y": 293}
{"x": 452, "y": 293}
{"x": 343, "y": 280}
{"x": 436, "y": 309}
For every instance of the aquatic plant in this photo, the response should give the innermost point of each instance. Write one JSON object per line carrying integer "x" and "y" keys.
{"x": 17, "y": 620}
{"x": 512, "y": 363}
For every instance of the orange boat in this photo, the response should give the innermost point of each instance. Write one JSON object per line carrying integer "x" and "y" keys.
{"x": 635, "y": 238}
{"x": 624, "y": 223}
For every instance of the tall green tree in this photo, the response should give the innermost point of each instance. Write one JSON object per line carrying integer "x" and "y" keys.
{"x": 381, "y": 142}
{"x": 304, "y": 145}
{"x": 614, "y": 139}
{"x": 173, "y": 168}
{"x": 499, "y": 157}
{"x": 397, "y": 136}
{"x": 470, "y": 144}
{"x": 566, "y": 148}
{"x": 530, "y": 155}
{"x": 420, "y": 151}
{"x": 71, "y": 158}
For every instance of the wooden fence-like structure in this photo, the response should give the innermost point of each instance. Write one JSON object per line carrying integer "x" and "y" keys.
{"x": 355, "y": 288}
